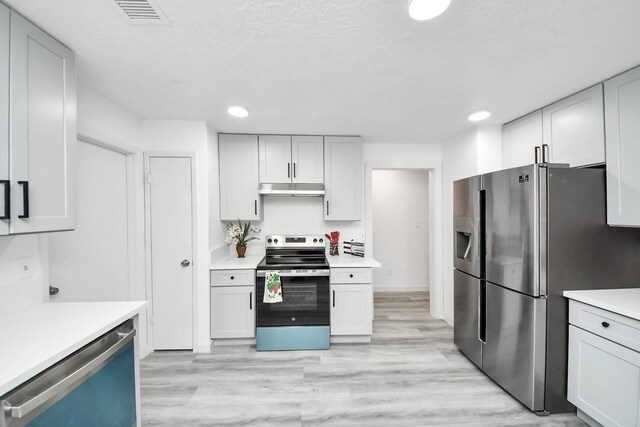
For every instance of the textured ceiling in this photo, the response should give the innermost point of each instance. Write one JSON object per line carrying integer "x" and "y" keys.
{"x": 344, "y": 67}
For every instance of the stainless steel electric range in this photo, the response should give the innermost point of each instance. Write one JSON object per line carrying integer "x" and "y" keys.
{"x": 301, "y": 320}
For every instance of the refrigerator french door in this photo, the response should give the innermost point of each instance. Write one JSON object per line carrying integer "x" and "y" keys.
{"x": 468, "y": 260}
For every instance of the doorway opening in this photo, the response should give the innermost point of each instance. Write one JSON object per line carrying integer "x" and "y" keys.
{"x": 403, "y": 208}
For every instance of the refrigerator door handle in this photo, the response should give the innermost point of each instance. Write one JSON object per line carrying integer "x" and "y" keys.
{"x": 536, "y": 155}
{"x": 482, "y": 313}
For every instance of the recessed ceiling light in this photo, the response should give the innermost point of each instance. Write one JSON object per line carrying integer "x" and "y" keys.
{"x": 422, "y": 10}
{"x": 478, "y": 115}
{"x": 237, "y": 111}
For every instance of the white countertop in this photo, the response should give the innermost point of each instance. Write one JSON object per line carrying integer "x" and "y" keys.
{"x": 251, "y": 262}
{"x": 41, "y": 336}
{"x": 622, "y": 301}
{"x": 232, "y": 262}
{"x": 350, "y": 261}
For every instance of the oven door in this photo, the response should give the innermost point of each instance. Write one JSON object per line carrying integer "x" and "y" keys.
{"x": 305, "y": 300}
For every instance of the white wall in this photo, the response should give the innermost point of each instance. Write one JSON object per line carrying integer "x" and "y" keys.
{"x": 478, "y": 150}
{"x": 400, "y": 228}
{"x": 20, "y": 288}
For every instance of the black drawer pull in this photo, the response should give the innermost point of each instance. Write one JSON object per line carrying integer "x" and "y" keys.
{"x": 351, "y": 275}
{"x": 232, "y": 277}
{"x": 605, "y": 325}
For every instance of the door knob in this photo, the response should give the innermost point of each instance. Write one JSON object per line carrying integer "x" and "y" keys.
{"x": 185, "y": 263}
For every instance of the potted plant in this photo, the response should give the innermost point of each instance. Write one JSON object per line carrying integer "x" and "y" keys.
{"x": 239, "y": 234}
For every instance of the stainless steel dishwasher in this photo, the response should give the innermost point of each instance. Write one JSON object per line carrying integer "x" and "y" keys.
{"x": 94, "y": 386}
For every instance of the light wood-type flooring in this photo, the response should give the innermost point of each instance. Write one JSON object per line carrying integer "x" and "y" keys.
{"x": 411, "y": 374}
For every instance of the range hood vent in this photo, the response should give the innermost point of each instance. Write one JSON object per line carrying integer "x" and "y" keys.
{"x": 143, "y": 12}
{"x": 301, "y": 190}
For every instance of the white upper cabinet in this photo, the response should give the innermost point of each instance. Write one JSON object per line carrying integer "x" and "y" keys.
{"x": 42, "y": 132}
{"x": 285, "y": 159}
{"x": 239, "y": 197}
{"x": 5, "y": 189}
{"x": 622, "y": 118}
{"x": 307, "y": 154}
{"x": 519, "y": 139}
{"x": 574, "y": 128}
{"x": 275, "y": 159}
{"x": 343, "y": 178}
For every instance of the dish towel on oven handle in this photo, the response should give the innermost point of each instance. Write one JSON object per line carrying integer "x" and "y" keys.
{"x": 272, "y": 287}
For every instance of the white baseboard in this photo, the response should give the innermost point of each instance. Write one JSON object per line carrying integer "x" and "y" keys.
{"x": 402, "y": 288}
{"x": 337, "y": 339}
{"x": 447, "y": 319}
{"x": 234, "y": 341}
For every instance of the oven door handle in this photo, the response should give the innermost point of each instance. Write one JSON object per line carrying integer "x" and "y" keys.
{"x": 294, "y": 273}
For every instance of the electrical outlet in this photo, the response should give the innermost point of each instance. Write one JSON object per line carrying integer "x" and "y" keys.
{"x": 26, "y": 268}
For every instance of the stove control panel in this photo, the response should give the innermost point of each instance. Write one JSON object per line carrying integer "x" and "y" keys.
{"x": 278, "y": 241}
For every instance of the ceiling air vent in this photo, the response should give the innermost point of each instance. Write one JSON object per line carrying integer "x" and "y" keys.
{"x": 142, "y": 12}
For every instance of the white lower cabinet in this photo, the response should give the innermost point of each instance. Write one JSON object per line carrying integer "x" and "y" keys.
{"x": 603, "y": 376}
{"x": 233, "y": 304}
{"x": 351, "y": 302}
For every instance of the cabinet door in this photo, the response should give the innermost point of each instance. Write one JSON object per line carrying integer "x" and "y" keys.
{"x": 5, "y": 189}
{"x": 239, "y": 197}
{"x": 622, "y": 110}
{"x": 519, "y": 139}
{"x": 233, "y": 312}
{"x": 351, "y": 309}
{"x": 43, "y": 131}
{"x": 307, "y": 154}
{"x": 574, "y": 128}
{"x": 275, "y": 159}
{"x": 603, "y": 379}
{"x": 343, "y": 178}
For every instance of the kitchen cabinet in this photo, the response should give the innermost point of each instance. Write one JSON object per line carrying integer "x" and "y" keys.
{"x": 40, "y": 159}
{"x": 604, "y": 365}
{"x": 351, "y": 302}
{"x": 343, "y": 178}
{"x": 574, "y": 128}
{"x": 622, "y": 109}
{"x": 291, "y": 159}
{"x": 519, "y": 139}
{"x": 239, "y": 197}
{"x": 233, "y": 302}
{"x": 5, "y": 190}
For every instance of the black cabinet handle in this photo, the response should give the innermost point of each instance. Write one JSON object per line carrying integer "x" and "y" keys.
{"x": 605, "y": 324}
{"x": 255, "y": 207}
{"x": 351, "y": 275}
{"x": 25, "y": 199}
{"x": 232, "y": 277}
{"x": 294, "y": 170}
{"x": 251, "y": 301}
{"x": 327, "y": 207}
{"x": 7, "y": 199}
{"x": 334, "y": 298}
{"x": 288, "y": 170}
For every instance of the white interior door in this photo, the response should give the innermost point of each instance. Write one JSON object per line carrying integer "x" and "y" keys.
{"x": 170, "y": 215}
{"x": 91, "y": 263}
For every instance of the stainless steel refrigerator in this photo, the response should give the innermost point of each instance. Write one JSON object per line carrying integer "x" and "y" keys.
{"x": 522, "y": 236}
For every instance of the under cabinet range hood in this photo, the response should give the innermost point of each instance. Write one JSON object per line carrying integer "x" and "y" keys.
{"x": 300, "y": 190}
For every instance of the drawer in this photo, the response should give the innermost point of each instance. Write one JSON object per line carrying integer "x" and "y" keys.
{"x": 609, "y": 325}
{"x": 351, "y": 275}
{"x": 233, "y": 277}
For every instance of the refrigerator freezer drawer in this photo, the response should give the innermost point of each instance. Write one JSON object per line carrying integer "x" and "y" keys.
{"x": 467, "y": 323}
{"x": 514, "y": 352}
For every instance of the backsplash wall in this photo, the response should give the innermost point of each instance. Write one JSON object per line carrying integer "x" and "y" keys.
{"x": 19, "y": 287}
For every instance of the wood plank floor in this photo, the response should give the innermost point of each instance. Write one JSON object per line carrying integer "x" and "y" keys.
{"x": 410, "y": 375}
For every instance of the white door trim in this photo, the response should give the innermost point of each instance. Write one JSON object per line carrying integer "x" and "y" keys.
{"x": 194, "y": 247}
{"x": 435, "y": 222}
